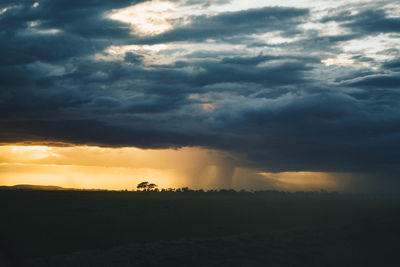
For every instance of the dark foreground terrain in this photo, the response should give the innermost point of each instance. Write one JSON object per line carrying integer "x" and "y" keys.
{"x": 99, "y": 228}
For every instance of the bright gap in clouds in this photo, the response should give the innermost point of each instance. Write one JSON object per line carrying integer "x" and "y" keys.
{"x": 148, "y": 18}
{"x": 338, "y": 61}
{"x": 88, "y": 167}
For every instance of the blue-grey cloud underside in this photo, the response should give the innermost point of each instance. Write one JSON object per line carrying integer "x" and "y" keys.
{"x": 278, "y": 107}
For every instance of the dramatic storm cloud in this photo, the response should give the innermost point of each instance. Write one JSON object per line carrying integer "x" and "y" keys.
{"x": 299, "y": 87}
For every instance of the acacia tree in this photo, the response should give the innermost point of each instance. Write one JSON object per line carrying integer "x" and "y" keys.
{"x": 151, "y": 186}
{"x": 146, "y": 186}
{"x": 142, "y": 186}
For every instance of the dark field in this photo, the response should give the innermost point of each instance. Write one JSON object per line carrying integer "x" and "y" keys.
{"x": 99, "y": 228}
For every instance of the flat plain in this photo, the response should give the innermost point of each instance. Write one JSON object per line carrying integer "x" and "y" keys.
{"x": 116, "y": 228}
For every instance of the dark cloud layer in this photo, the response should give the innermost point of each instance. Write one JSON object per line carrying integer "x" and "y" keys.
{"x": 230, "y": 24}
{"x": 368, "y": 21}
{"x": 280, "y": 110}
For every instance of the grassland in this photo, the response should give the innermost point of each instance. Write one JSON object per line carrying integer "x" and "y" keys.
{"x": 107, "y": 228}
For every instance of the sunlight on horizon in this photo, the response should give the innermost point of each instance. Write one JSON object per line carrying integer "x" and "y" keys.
{"x": 92, "y": 167}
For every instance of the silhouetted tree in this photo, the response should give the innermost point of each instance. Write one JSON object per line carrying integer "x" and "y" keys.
{"x": 146, "y": 186}
{"x": 142, "y": 186}
{"x": 151, "y": 186}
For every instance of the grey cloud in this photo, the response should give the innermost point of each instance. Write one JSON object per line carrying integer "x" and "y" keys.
{"x": 281, "y": 110}
{"x": 393, "y": 65}
{"x": 133, "y": 58}
{"x": 205, "y": 3}
{"x": 82, "y": 27}
{"x": 263, "y": 58}
{"x": 236, "y": 23}
{"x": 367, "y": 21}
{"x": 282, "y": 74}
{"x": 380, "y": 81}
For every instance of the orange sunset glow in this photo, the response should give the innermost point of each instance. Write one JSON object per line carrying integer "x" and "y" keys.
{"x": 199, "y": 133}
{"x": 92, "y": 167}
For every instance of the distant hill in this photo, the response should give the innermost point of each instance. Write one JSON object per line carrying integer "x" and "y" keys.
{"x": 34, "y": 187}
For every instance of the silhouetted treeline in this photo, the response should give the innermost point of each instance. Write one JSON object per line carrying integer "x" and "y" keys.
{"x": 153, "y": 190}
{"x": 146, "y": 187}
{"x": 232, "y": 191}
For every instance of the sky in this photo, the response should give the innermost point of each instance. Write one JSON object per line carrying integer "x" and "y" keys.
{"x": 209, "y": 94}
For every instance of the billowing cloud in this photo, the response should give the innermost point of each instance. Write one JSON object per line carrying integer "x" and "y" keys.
{"x": 368, "y": 21}
{"x": 290, "y": 88}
